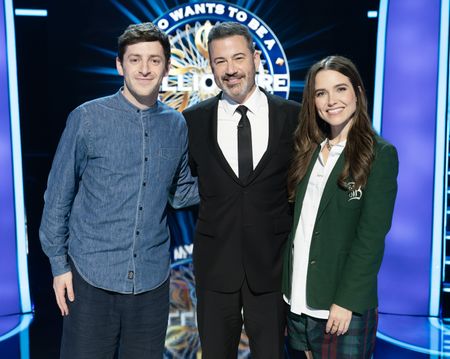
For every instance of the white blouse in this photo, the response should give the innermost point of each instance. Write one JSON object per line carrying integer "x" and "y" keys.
{"x": 303, "y": 234}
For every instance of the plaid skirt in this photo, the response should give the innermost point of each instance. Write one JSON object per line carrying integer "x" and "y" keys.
{"x": 306, "y": 333}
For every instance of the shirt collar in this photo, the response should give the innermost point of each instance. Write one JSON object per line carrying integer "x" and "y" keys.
{"x": 253, "y": 103}
{"x": 127, "y": 105}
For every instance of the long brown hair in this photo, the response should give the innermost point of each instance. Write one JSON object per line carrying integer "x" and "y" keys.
{"x": 312, "y": 130}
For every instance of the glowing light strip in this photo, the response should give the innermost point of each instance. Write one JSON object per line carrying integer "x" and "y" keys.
{"x": 17, "y": 161}
{"x": 440, "y": 165}
{"x": 110, "y": 71}
{"x": 126, "y": 12}
{"x": 436, "y": 334}
{"x": 105, "y": 52}
{"x": 144, "y": 9}
{"x": 160, "y": 6}
{"x": 379, "y": 67}
{"x": 25, "y": 344}
{"x": 180, "y": 262}
{"x": 30, "y": 12}
{"x": 372, "y": 14}
{"x": 25, "y": 322}
{"x": 437, "y": 323}
{"x": 412, "y": 347}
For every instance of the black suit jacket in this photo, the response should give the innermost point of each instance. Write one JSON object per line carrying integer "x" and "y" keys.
{"x": 242, "y": 227}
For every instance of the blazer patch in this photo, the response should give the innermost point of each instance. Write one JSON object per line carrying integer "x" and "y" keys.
{"x": 354, "y": 193}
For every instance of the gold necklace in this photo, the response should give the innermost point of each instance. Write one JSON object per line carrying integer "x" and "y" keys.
{"x": 329, "y": 145}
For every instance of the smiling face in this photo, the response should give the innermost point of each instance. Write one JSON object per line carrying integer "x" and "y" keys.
{"x": 335, "y": 100}
{"x": 234, "y": 66}
{"x": 143, "y": 68}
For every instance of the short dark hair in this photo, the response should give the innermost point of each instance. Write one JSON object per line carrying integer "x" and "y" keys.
{"x": 227, "y": 29}
{"x": 144, "y": 32}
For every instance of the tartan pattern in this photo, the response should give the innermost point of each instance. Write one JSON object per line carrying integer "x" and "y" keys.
{"x": 306, "y": 333}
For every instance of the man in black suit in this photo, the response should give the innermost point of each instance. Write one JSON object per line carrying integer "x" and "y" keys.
{"x": 240, "y": 148}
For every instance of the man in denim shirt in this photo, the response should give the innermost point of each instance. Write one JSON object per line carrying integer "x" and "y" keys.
{"x": 120, "y": 159}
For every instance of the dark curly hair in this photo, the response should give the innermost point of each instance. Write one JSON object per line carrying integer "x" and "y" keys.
{"x": 144, "y": 32}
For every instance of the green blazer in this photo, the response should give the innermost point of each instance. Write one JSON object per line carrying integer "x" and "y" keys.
{"x": 348, "y": 238}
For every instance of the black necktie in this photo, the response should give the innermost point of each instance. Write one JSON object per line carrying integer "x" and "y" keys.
{"x": 245, "y": 157}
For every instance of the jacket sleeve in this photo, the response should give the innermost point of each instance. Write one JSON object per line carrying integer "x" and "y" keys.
{"x": 358, "y": 285}
{"x": 189, "y": 120}
{"x": 62, "y": 186}
{"x": 184, "y": 190}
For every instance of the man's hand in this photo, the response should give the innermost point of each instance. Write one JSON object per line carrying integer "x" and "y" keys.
{"x": 61, "y": 284}
{"x": 338, "y": 320}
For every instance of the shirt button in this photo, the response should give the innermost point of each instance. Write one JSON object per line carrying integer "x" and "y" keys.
{"x": 144, "y": 184}
{"x": 312, "y": 262}
{"x": 130, "y": 275}
{"x": 146, "y": 158}
{"x": 140, "y": 208}
{"x": 134, "y": 255}
{"x": 316, "y": 233}
{"x": 137, "y": 233}
{"x": 146, "y": 134}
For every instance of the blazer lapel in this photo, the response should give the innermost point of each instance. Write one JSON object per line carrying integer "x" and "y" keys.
{"x": 301, "y": 188}
{"x": 331, "y": 186}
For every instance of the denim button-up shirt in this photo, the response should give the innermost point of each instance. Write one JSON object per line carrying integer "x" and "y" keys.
{"x": 114, "y": 171}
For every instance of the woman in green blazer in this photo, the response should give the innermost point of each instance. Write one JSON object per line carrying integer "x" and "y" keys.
{"x": 344, "y": 183}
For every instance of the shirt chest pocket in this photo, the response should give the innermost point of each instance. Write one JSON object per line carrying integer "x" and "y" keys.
{"x": 168, "y": 158}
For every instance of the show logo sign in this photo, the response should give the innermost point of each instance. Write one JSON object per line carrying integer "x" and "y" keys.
{"x": 190, "y": 79}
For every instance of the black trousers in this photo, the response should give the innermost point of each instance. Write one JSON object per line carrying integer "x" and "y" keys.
{"x": 220, "y": 317}
{"x": 105, "y": 325}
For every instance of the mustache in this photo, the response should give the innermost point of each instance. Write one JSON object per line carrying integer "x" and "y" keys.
{"x": 233, "y": 76}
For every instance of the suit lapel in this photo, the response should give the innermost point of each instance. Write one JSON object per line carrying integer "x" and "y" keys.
{"x": 331, "y": 186}
{"x": 212, "y": 120}
{"x": 276, "y": 124}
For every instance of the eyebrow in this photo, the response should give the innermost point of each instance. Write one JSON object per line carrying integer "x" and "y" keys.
{"x": 151, "y": 56}
{"x": 338, "y": 85}
{"x": 232, "y": 56}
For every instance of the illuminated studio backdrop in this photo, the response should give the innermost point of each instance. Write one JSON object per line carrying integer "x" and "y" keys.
{"x": 401, "y": 49}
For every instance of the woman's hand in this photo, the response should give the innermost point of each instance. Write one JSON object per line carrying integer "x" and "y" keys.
{"x": 338, "y": 320}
